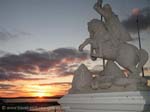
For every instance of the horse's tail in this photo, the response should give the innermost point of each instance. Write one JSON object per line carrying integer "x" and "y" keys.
{"x": 143, "y": 55}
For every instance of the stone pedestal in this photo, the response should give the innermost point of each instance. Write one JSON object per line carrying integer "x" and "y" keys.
{"x": 135, "y": 101}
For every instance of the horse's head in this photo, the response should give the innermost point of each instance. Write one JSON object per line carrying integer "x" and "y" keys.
{"x": 96, "y": 25}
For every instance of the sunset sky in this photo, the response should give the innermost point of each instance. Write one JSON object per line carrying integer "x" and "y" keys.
{"x": 39, "y": 41}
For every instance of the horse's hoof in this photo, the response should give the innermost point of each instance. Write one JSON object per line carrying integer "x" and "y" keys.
{"x": 93, "y": 58}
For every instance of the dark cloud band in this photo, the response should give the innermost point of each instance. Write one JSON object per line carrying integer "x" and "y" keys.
{"x": 143, "y": 20}
{"x": 6, "y": 86}
{"x": 36, "y": 62}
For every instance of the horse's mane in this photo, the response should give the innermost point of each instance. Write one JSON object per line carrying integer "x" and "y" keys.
{"x": 96, "y": 24}
{"x": 98, "y": 27}
{"x": 101, "y": 32}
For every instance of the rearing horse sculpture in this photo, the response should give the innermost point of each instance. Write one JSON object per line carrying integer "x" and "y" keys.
{"x": 105, "y": 45}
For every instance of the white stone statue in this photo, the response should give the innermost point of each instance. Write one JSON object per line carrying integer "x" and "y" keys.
{"x": 108, "y": 40}
{"x": 113, "y": 90}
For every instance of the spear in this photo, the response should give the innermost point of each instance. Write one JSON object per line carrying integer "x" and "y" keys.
{"x": 136, "y": 12}
{"x": 100, "y": 2}
{"x": 139, "y": 38}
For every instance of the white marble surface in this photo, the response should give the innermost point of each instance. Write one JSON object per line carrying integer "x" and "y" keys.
{"x": 134, "y": 101}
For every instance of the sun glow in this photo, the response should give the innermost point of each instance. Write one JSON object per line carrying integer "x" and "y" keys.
{"x": 40, "y": 91}
{"x": 41, "y": 94}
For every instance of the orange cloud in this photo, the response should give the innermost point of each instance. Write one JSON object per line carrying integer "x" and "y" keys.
{"x": 50, "y": 86}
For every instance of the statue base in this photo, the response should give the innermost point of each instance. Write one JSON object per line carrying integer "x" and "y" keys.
{"x": 133, "y": 101}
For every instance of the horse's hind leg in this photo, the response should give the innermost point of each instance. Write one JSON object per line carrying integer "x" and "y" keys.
{"x": 133, "y": 71}
{"x": 130, "y": 66}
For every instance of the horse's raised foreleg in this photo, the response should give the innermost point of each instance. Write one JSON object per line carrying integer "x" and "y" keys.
{"x": 86, "y": 42}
